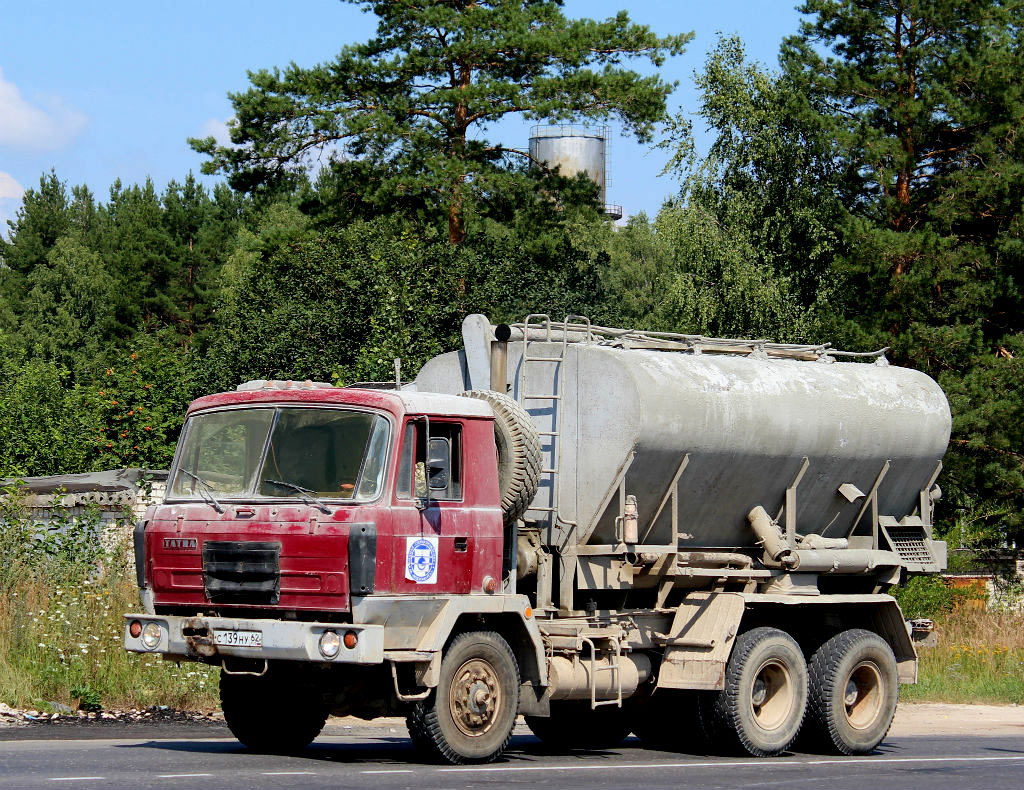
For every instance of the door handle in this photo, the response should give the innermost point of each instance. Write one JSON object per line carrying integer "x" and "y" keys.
{"x": 461, "y": 544}
{"x": 245, "y": 512}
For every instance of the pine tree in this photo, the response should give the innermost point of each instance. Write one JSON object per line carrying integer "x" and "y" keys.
{"x": 408, "y": 108}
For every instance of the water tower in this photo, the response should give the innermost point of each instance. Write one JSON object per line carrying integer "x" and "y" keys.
{"x": 576, "y": 149}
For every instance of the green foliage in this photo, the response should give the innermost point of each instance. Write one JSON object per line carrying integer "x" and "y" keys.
{"x": 41, "y": 428}
{"x": 88, "y": 698}
{"x": 929, "y": 597}
{"x": 135, "y": 408}
{"x": 411, "y": 105}
{"x": 69, "y": 309}
{"x": 342, "y": 305}
{"x": 746, "y": 247}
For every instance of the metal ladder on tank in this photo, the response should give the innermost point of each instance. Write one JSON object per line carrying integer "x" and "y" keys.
{"x": 544, "y": 324}
{"x": 614, "y": 666}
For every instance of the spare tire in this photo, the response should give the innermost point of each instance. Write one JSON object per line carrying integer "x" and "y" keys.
{"x": 519, "y": 455}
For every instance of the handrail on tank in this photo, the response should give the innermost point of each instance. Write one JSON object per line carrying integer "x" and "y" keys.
{"x": 578, "y": 329}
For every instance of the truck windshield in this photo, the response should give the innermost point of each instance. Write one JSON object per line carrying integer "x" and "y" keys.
{"x": 221, "y": 452}
{"x": 323, "y": 453}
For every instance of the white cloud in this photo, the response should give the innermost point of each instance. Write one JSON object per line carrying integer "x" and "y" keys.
{"x": 9, "y": 188}
{"x": 10, "y": 199}
{"x": 217, "y": 129}
{"x": 27, "y": 125}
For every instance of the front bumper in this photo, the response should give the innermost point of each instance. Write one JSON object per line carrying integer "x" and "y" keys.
{"x": 192, "y": 638}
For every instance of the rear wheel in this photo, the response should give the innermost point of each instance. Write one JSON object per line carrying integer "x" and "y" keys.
{"x": 573, "y": 724}
{"x": 469, "y": 717}
{"x": 854, "y": 687}
{"x": 762, "y": 706}
{"x": 276, "y": 713}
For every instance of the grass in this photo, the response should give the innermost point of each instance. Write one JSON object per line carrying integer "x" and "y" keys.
{"x": 979, "y": 659}
{"x": 62, "y": 643}
{"x": 64, "y": 589}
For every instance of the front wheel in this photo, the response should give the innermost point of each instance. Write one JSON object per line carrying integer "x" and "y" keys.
{"x": 854, "y": 686}
{"x": 762, "y": 706}
{"x": 470, "y": 715}
{"x": 276, "y": 713}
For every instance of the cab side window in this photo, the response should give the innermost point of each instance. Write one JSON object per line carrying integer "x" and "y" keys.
{"x": 434, "y": 471}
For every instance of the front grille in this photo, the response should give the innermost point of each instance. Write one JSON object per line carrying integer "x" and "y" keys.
{"x": 242, "y": 572}
{"x": 909, "y": 543}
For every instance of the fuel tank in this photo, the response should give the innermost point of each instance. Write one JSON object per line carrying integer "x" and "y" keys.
{"x": 617, "y": 419}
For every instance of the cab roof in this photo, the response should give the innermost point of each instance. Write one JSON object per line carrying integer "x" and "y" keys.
{"x": 398, "y": 402}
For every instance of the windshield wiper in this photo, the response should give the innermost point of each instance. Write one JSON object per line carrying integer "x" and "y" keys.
{"x": 206, "y": 492}
{"x": 305, "y": 493}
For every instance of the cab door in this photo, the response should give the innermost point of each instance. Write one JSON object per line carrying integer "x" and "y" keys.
{"x": 433, "y": 549}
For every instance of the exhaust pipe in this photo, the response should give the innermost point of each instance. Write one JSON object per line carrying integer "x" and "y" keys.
{"x": 499, "y": 358}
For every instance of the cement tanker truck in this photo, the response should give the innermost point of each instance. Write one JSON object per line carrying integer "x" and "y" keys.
{"x": 606, "y": 530}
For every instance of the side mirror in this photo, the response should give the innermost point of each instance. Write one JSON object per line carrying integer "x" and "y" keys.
{"x": 439, "y": 463}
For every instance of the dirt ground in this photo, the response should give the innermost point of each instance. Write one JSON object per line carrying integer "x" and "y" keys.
{"x": 930, "y": 718}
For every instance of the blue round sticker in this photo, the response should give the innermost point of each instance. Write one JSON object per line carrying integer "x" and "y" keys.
{"x": 421, "y": 560}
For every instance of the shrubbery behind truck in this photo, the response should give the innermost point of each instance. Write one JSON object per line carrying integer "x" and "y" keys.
{"x": 608, "y": 531}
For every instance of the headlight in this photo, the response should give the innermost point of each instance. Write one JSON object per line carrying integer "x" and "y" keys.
{"x": 330, "y": 644}
{"x": 151, "y": 635}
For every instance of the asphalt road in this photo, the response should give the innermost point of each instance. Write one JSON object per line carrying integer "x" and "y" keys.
{"x": 382, "y": 759}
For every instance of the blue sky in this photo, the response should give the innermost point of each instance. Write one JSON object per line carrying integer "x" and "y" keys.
{"x": 99, "y": 91}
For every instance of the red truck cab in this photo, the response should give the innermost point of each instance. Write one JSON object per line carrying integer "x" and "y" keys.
{"x": 302, "y": 498}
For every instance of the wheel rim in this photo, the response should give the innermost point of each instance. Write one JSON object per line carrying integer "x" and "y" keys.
{"x": 771, "y": 695}
{"x": 475, "y": 697}
{"x": 862, "y": 695}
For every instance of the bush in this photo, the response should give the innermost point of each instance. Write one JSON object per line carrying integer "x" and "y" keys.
{"x": 930, "y": 596}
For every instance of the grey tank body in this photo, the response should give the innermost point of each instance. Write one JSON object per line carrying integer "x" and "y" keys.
{"x": 746, "y": 423}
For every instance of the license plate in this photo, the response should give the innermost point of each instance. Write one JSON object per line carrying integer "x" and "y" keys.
{"x": 238, "y": 638}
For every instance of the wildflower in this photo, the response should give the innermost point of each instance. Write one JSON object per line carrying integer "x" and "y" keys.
{"x": 148, "y": 428}
{"x": 113, "y": 403}
{"x": 110, "y": 371}
{"x": 135, "y": 356}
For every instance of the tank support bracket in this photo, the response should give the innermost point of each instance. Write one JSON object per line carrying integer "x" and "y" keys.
{"x": 790, "y": 507}
{"x": 872, "y": 502}
{"x": 672, "y": 492}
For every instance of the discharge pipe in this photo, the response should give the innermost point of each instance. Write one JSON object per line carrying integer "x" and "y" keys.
{"x": 823, "y": 555}
{"x": 770, "y": 537}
